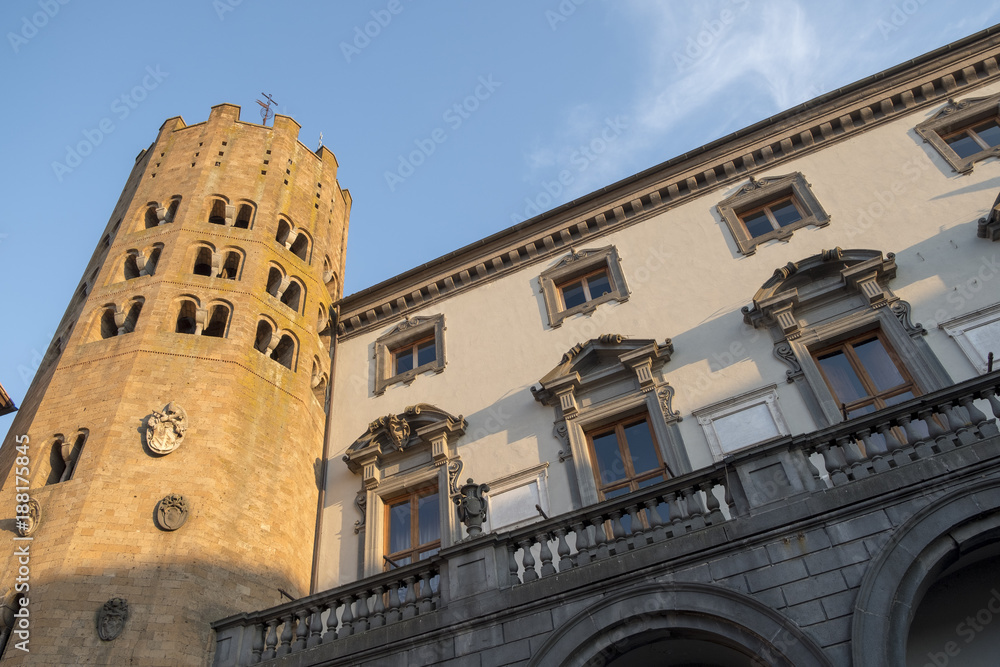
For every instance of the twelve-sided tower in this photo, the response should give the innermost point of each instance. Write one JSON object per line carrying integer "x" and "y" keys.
{"x": 175, "y": 426}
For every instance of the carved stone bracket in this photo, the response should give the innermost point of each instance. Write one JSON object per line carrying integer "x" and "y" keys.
{"x": 901, "y": 309}
{"x": 989, "y": 227}
{"x": 111, "y": 619}
{"x": 360, "y": 503}
{"x": 666, "y": 396}
{"x": 454, "y": 472}
{"x": 783, "y": 351}
{"x": 171, "y": 512}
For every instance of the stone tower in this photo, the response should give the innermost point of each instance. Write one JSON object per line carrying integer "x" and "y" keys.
{"x": 176, "y": 424}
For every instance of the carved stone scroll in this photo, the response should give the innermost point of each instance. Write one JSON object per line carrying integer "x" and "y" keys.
{"x": 783, "y": 351}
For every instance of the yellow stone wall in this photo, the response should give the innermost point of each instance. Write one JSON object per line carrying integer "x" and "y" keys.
{"x": 249, "y": 459}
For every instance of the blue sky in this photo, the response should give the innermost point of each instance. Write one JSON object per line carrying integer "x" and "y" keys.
{"x": 583, "y": 91}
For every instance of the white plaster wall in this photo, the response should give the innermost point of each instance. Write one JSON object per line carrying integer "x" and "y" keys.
{"x": 884, "y": 189}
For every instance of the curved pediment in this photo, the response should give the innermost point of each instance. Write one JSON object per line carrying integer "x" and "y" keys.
{"x": 813, "y": 280}
{"x": 421, "y": 425}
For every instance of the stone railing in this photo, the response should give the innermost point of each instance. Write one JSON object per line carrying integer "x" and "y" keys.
{"x": 381, "y": 600}
{"x": 759, "y": 479}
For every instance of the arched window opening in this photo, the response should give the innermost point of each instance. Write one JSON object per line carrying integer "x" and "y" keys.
{"x": 132, "y": 318}
{"x": 244, "y": 217}
{"x": 218, "y": 214}
{"x": 319, "y": 383}
{"x": 131, "y": 268}
{"x": 172, "y": 210}
{"x": 187, "y": 314}
{"x": 105, "y": 242}
{"x": 283, "y": 231}
{"x": 322, "y": 320}
{"x": 57, "y": 467}
{"x": 292, "y": 296}
{"x": 108, "y": 326}
{"x": 203, "y": 262}
{"x": 273, "y": 281}
{"x": 217, "y": 322}
{"x": 153, "y": 260}
{"x": 300, "y": 248}
{"x": 284, "y": 352}
{"x": 263, "y": 337}
{"x": 152, "y": 220}
{"x": 231, "y": 267}
{"x": 64, "y": 455}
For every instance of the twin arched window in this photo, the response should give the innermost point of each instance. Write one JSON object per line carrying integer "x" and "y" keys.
{"x": 117, "y": 320}
{"x": 191, "y": 318}
{"x": 278, "y": 345}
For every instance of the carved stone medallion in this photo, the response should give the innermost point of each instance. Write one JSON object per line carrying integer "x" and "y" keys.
{"x": 398, "y": 430}
{"x": 165, "y": 430}
{"x": 172, "y": 512}
{"x": 27, "y": 525}
{"x": 111, "y": 619}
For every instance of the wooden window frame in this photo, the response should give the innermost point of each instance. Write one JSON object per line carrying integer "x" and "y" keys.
{"x": 874, "y": 397}
{"x": 582, "y": 279}
{"x": 631, "y": 479}
{"x": 412, "y": 347}
{"x": 413, "y": 553}
{"x": 766, "y": 209}
{"x": 969, "y": 130}
{"x": 957, "y": 117}
{"x": 402, "y": 336}
{"x": 576, "y": 266}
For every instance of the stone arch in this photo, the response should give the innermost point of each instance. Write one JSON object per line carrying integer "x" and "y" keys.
{"x": 264, "y": 338}
{"x": 301, "y": 246}
{"x": 152, "y": 259}
{"x": 285, "y": 228}
{"x": 294, "y": 296}
{"x": 202, "y": 261}
{"x": 217, "y": 320}
{"x": 286, "y": 351}
{"x": 151, "y": 217}
{"x": 599, "y": 633}
{"x": 276, "y": 280}
{"x": 245, "y": 211}
{"x": 185, "y": 317}
{"x": 919, "y": 550}
{"x": 219, "y": 210}
{"x": 232, "y": 263}
{"x": 130, "y": 266}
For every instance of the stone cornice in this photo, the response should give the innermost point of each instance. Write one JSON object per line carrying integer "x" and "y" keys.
{"x": 931, "y": 79}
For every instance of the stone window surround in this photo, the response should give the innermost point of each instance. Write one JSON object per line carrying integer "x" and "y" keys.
{"x": 766, "y": 396}
{"x": 955, "y": 116}
{"x": 760, "y": 192}
{"x": 408, "y": 331}
{"x": 638, "y": 367}
{"x": 865, "y": 275}
{"x": 958, "y": 328}
{"x": 536, "y": 474}
{"x": 576, "y": 264}
{"x": 424, "y": 455}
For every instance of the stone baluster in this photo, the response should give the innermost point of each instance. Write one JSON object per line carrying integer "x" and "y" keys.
{"x": 425, "y": 605}
{"x": 600, "y": 540}
{"x": 921, "y": 447}
{"x": 961, "y": 426}
{"x": 876, "y": 451}
{"x": 410, "y": 604}
{"x": 694, "y": 507}
{"x": 331, "y": 623}
{"x": 347, "y": 618}
{"x": 361, "y": 612}
{"x": 513, "y": 579}
{"x": 638, "y": 534}
{"x": 378, "y": 611}
{"x": 715, "y": 515}
{"x": 938, "y": 436}
{"x": 545, "y": 555}
{"x": 301, "y": 630}
{"x": 620, "y": 545}
{"x": 271, "y": 643}
{"x": 315, "y": 626}
{"x": 992, "y": 396}
{"x": 853, "y": 461}
{"x": 257, "y": 643}
{"x": 393, "y": 615}
{"x": 976, "y": 416}
{"x": 728, "y": 495}
{"x": 656, "y": 531}
{"x": 895, "y": 448}
{"x": 286, "y": 634}
{"x": 528, "y": 560}
{"x": 833, "y": 468}
{"x": 678, "y": 509}
{"x": 583, "y": 551}
{"x": 562, "y": 550}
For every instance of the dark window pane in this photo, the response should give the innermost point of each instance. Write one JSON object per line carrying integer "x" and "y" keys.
{"x": 429, "y": 522}
{"x": 399, "y": 527}
{"x": 426, "y": 353}
{"x": 899, "y": 398}
{"x": 649, "y": 482}
{"x": 757, "y": 224}
{"x": 989, "y": 132}
{"x": 427, "y": 554}
{"x": 846, "y": 385}
{"x": 599, "y": 285}
{"x": 964, "y": 145}
{"x": 785, "y": 213}
{"x": 404, "y": 361}
{"x": 878, "y": 364}
{"x": 573, "y": 295}
{"x": 610, "y": 467}
{"x": 863, "y": 410}
{"x": 641, "y": 448}
{"x": 608, "y": 495}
